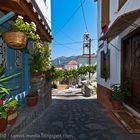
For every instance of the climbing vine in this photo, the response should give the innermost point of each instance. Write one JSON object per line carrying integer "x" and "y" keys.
{"x": 53, "y": 74}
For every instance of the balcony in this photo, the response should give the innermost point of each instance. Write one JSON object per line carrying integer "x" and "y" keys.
{"x": 120, "y": 24}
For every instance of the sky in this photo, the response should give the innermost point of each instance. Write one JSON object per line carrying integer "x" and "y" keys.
{"x": 68, "y": 26}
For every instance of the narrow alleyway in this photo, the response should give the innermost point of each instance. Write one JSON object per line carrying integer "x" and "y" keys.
{"x": 74, "y": 118}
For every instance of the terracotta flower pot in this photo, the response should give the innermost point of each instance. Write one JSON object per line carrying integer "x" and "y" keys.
{"x": 12, "y": 116}
{"x": 116, "y": 105}
{"x": 32, "y": 99}
{"x": 3, "y": 124}
{"x": 16, "y": 40}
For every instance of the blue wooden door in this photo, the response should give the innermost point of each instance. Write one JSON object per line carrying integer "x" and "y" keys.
{"x": 16, "y": 61}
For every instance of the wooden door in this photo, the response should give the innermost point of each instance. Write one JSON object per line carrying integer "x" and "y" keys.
{"x": 131, "y": 69}
{"x": 135, "y": 72}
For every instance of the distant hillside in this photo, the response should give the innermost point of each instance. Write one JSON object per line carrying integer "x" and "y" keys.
{"x": 61, "y": 61}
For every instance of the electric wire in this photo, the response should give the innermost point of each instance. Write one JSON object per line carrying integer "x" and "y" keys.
{"x": 66, "y": 47}
{"x": 60, "y": 29}
{"x": 73, "y": 14}
{"x": 84, "y": 17}
{"x": 65, "y": 34}
{"x": 71, "y": 43}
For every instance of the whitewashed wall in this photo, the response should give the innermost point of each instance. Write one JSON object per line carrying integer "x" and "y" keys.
{"x": 69, "y": 67}
{"x": 115, "y": 55}
{"x": 130, "y": 5}
{"x": 114, "y": 65}
{"x": 45, "y": 7}
{"x": 99, "y": 19}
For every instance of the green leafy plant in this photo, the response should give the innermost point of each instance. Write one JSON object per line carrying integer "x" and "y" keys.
{"x": 11, "y": 104}
{"x": 4, "y": 91}
{"x": 53, "y": 74}
{"x": 3, "y": 113}
{"x": 75, "y": 73}
{"x": 4, "y": 80}
{"x": 39, "y": 61}
{"x": 119, "y": 92}
{"x": 29, "y": 29}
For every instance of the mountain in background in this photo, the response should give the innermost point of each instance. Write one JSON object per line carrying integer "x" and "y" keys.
{"x": 61, "y": 61}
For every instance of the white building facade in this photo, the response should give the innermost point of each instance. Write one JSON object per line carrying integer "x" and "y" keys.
{"x": 118, "y": 57}
{"x": 45, "y": 7}
{"x": 71, "y": 65}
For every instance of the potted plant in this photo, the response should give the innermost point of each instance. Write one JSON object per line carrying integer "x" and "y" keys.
{"x": 3, "y": 117}
{"x": 32, "y": 98}
{"x": 40, "y": 54}
{"x": 19, "y": 33}
{"x": 4, "y": 92}
{"x": 36, "y": 59}
{"x": 11, "y": 109}
{"x": 118, "y": 93}
{"x": 39, "y": 57}
{"x": 39, "y": 61}
{"x": 36, "y": 64}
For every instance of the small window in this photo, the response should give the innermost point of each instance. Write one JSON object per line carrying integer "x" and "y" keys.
{"x": 121, "y": 3}
{"x": 105, "y": 64}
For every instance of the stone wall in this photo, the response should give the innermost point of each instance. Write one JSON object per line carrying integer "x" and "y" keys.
{"x": 89, "y": 88}
{"x": 39, "y": 83}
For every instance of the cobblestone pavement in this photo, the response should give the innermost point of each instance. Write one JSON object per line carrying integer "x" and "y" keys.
{"x": 74, "y": 119}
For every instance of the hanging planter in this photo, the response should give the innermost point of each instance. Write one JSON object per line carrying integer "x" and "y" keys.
{"x": 16, "y": 40}
{"x": 21, "y": 31}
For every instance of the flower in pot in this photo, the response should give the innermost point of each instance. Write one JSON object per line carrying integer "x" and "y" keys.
{"x": 4, "y": 92}
{"x": 32, "y": 99}
{"x": 118, "y": 93}
{"x": 11, "y": 109}
{"x": 3, "y": 117}
{"x": 19, "y": 33}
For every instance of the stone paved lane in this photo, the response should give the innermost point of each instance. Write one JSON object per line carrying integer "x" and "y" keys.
{"x": 75, "y": 119}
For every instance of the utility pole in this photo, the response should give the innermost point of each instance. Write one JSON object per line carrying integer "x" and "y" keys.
{"x": 89, "y": 55}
